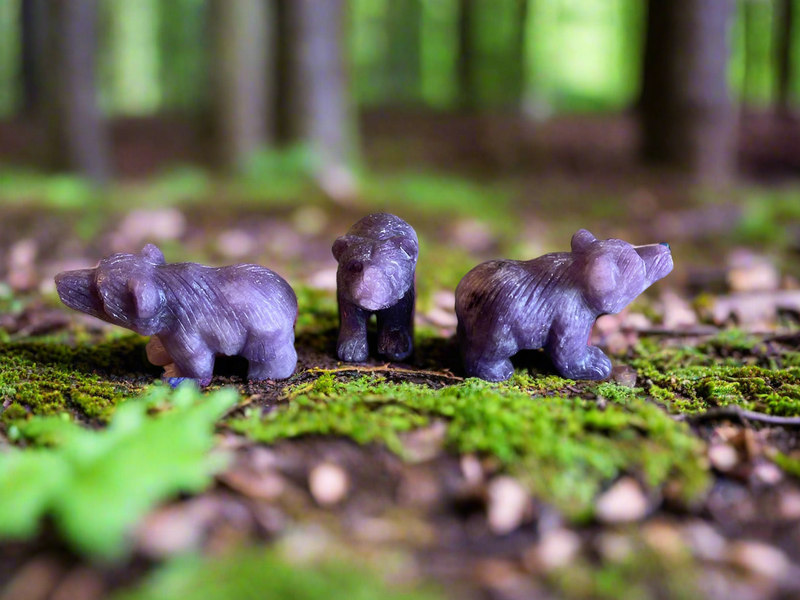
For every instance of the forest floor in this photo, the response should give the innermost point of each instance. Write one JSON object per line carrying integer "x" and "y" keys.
{"x": 677, "y": 478}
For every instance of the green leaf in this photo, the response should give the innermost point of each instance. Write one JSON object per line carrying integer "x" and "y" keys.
{"x": 98, "y": 484}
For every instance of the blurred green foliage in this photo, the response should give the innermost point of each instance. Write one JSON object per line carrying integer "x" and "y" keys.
{"x": 580, "y": 54}
{"x": 96, "y": 485}
{"x": 265, "y": 575}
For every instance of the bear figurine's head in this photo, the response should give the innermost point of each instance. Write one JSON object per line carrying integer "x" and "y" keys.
{"x": 375, "y": 274}
{"x": 612, "y": 273}
{"x": 122, "y": 290}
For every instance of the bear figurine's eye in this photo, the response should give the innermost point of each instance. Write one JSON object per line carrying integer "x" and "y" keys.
{"x": 356, "y": 266}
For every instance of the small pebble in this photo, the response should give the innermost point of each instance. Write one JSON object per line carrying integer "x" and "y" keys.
{"x": 556, "y": 550}
{"x": 328, "y": 483}
{"x": 759, "y": 559}
{"x": 441, "y": 317}
{"x": 472, "y": 469}
{"x": 508, "y": 504}
{"x": 767, "y": 473}
{"x": 614, "y": 547}
{"x": 678, "y": 313}
{"x": 309, "y": 220}
{"x": 789, "y": 505}
{"x": 664, "y": 538}
{"x": 704, "y": 541}
{"x": 323, "y": 280}
{"x": 723, "y": 457}
{"x": 235, "y": 243}
{"x": 624, "y": 375}
{"x": 425, "y": 443}
{"x": 445, "y": 299}
{"x": 624, "y": 502}
{"x": 149, "y": 224}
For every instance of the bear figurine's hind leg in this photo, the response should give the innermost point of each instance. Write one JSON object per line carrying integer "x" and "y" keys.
{"x": 396, "y": 329}
{"x": 487, "y": 360}
{"x": 198, "y": 364}
{"x": 573, "y": 358}
{"x": 270, "y": 358}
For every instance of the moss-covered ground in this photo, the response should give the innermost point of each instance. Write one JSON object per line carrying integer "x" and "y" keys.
{"x": 566, "y": 442}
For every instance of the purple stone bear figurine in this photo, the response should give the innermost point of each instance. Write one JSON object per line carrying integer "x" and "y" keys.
{"x": 197, "y": 312}
{"x": 552, "y": 302}
{"x": 377, "y": 259}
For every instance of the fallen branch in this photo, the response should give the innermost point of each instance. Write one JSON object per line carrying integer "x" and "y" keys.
{"x": 727, "y": 412}
{"x": 386, "y": 369}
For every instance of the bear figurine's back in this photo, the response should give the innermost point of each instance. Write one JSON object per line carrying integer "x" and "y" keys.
{"x": 377, "y": 259}
{"x": 196, "y": 311}
{"x": 552, "y": 302}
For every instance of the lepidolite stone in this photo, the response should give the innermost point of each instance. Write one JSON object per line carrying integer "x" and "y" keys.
{"x": 377, "y": 261}
{"x": 551, "y": 302}
{"x": 195, "y": 311}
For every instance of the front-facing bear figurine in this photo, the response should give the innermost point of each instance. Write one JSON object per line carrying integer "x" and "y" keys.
{"x": 377, "y": 259}
{"x": 197, "y": 312}
{"x": 552, "y": 302}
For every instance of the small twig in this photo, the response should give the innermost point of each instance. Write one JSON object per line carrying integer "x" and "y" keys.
{"x": 740, "y": 413}
{"x": 386, "y": 369}
{"x": 694, "y": 332}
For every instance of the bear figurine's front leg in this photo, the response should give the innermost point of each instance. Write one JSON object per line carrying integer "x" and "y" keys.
{"x": 352, "y": 346}
{"x": 396, "y": 329}
{"x": 571, "y": 355}
{"x": 193, "y": 360}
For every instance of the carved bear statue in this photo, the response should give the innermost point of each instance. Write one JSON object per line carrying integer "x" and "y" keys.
{"x": 552, "y": 302}
{"x": 197, "y": 312}
{"x": 377, "y": 260}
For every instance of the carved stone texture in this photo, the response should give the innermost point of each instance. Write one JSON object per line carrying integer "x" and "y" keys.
{"x": 377, "y": 260}
{"x": 197, "y": 312}
{"x": 552, "y": 302}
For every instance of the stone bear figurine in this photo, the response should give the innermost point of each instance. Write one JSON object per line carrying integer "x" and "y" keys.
{"x": 377, "y": 259}
{"x": 197, "y": 312}
{"x": 551, "y": 302}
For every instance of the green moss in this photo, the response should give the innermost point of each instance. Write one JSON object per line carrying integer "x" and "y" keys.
{"x": 48, "y": 376}
{"x": 563, "y": 448}
{"x": 731, "y": 368}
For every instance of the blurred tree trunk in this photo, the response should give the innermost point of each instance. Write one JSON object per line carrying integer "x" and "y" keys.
{"x": 242, "y": 50}
{"x": 324, "y": 105}
{"x": 285, "y": 96}
{"x": 34, "y": 28}
{"x": 467, "y": 55}
{"x": 517, "y": 58}
{"x": 750, "y": 17}
{"x": 404, "y": 60}
{"x": 785, "y": 20}
{"x": 688, "y": 120}
{"x": 78, "y": 136}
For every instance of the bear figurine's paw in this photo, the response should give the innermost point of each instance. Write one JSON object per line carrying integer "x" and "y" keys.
{"x": 594, "y": 366}
{"x": 353, "y": 349}
{"x": 498, "y": 370}
{"x": 395, "y": 344}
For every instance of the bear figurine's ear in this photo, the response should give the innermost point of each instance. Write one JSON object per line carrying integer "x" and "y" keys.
{"x": 602, "y": 274}
{"x": 582, "y": 240}
{"x": 146, "y": 297}
{"x": 153, "y": 255}
{"x": 408, "y": 245}
{"x": 339, "y": 247}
